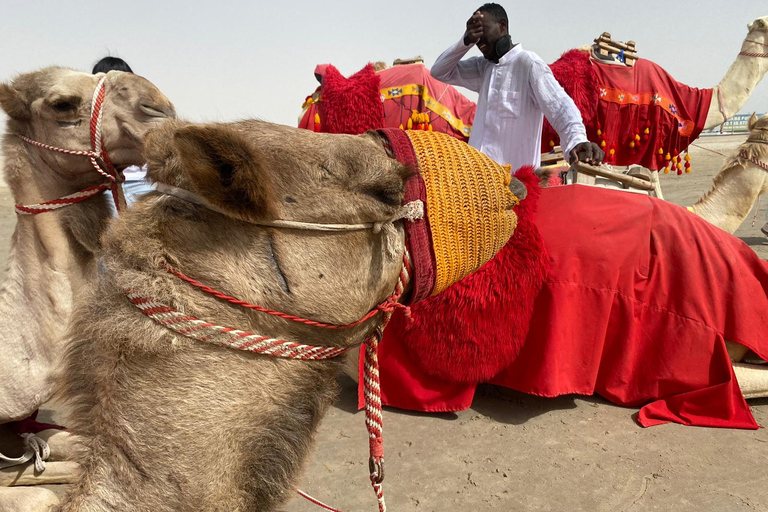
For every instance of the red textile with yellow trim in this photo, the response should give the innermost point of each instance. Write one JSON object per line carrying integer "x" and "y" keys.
{"x": 408, "y": 88}
{"x": 640, "y": 296}
{"x": 624, "y": 101}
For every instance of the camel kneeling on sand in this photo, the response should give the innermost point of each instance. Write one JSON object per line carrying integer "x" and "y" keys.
{"x": 179, "y": 424}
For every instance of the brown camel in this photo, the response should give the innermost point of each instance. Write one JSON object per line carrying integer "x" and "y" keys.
{"x": 52, "y": 254}
{"x": 174, "y": 424}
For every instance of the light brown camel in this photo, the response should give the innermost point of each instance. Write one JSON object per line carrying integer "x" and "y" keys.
{"x": 740, "y": 182}
{"x": 52, "y": 254}
{"x": 174, "y": 424}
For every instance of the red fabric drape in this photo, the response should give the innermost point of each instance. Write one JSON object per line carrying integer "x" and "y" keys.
{"x": 430, "y": 96}
{"x": 645, "y": 96}
{"x": 639, "y": 299}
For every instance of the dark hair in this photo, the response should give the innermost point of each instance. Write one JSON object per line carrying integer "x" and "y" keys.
{"x": 111, "y": 64}
{"x": 496, "y": 11}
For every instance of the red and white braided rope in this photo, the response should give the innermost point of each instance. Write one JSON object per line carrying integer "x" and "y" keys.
{"x": 97, "y": 152}
{"x": 207, "y": 332}
{"x": 754, "y": 54}
{"x": 200, "y": 330}
{"x": 755, "y": 161}
{"x": 32, "y": 209}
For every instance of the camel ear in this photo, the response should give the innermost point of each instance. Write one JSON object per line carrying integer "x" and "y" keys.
{"x": 13, "y": 103}
{"x": 225, "y": 169}
{"x": 752, "y": 121}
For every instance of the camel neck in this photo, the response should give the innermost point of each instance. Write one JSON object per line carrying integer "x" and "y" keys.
{"x": 739, "y": 82}
{"x": 51, "y": 258}
{"x": 732, "y": 196}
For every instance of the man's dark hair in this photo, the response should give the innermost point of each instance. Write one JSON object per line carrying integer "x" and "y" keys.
{"x": 496, "y": 11}
{"x": 108, "y": 64}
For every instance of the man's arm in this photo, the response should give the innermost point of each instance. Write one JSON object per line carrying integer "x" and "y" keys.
{"x": 563, "y": 115}
{"x": 449, "y": 67}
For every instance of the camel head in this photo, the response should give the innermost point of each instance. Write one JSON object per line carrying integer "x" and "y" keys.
{"x": 246, "y": 176}
{"x": 756, "y": 125}
{"x": 53, "y": 106}
{"x": 759, "y": 25}
{"x": 252, "y": 172}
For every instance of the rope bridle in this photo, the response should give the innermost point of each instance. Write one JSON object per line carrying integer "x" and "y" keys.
{"x": 97, "y": 152}
{"x": 208, "y": 332}
{"x": 719, "y": 89}
{"x": 754, "y": 54}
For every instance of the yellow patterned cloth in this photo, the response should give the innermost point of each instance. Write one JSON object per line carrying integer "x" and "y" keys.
{"x": 470, "y": 219}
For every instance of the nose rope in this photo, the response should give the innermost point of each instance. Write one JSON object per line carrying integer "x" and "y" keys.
{"x": 97, "y": 152}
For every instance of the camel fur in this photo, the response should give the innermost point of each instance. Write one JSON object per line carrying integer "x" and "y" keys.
{"x": 52, "y": 255}
{"x": 173, "y": 424}
{"x": 740, "y": 182}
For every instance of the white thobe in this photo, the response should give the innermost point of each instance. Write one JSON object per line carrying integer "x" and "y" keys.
{"x": 515, "y": 94}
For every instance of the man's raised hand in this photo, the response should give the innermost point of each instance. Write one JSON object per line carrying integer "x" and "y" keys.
{"x": 474, "y": 29}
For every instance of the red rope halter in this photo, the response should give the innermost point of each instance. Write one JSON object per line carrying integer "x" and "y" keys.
{"x": 94, "y": 155}
{"x": 200, "y": 330}
{"x": 754, "y": 54}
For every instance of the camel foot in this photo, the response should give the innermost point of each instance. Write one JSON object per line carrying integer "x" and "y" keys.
{"x": 26, "y": 499}
{"x": 64, "y": 472}
{"x": 753, "y": 379}
{"x": 764, "y": 229}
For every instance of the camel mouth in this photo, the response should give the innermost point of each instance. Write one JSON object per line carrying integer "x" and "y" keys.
{"x": 155, "y": 110}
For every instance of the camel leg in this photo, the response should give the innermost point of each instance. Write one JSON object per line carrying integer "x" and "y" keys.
{"x": 26, "y": 499}
{"x": 753, "y": 379}
{"x": 63, "y": 445}
{"x": 736, "y": 351}
{"x": 351, "y": 365}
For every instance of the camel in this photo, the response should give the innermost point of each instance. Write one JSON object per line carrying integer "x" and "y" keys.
{"x": 740, "y": 182}
{"x": 175, "y": 424}
{"x": 52, "y": 254}
{"x": 742, "y": 77}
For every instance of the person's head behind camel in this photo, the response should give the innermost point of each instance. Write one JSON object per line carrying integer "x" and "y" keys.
{"x": 109, "y": 63}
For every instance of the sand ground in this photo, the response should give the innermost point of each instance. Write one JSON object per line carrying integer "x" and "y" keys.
{"x": 515, "y": 452}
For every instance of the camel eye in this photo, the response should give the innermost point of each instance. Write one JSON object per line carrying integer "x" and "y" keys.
{"x": 64, "y": 106}
{"x": 391, "y": 195}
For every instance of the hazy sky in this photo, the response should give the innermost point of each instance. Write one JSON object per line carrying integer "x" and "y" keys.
{"x": 221, "y": 61}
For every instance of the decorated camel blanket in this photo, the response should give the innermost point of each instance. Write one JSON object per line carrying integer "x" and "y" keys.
{"x": 639, "y": 114}
{"x": 401, "y": 96}
{"x": 638, "y": 300}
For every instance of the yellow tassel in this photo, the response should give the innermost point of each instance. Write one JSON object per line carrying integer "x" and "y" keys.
{"x": 401, "y": 127}
{"x": 409, "y": 125}
{"x": 602, "y": 144}
{"x": 430, "y": 127}
{"x": 317, "y": 118}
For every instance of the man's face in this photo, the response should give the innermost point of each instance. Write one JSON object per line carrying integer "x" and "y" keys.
{"x": 492, "y": 31}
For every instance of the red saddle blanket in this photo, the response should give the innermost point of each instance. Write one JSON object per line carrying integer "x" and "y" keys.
{"x": 638, "y": 302}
